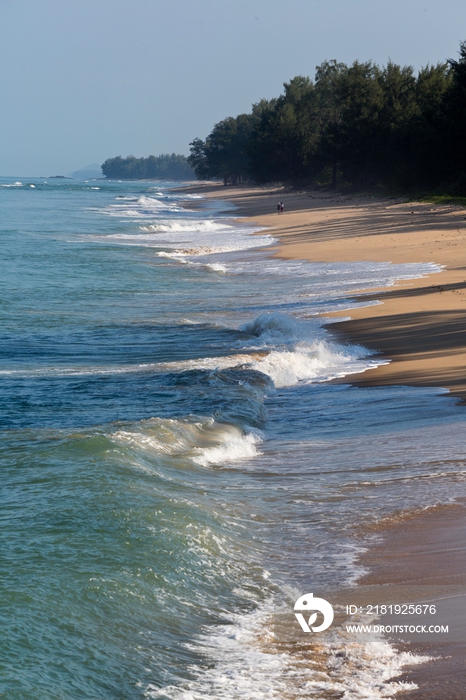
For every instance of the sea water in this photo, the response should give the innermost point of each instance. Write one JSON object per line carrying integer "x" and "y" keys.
{"x": 174, "y": 457}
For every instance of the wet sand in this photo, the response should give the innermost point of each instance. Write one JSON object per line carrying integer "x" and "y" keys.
{"x": 428, "y": 550}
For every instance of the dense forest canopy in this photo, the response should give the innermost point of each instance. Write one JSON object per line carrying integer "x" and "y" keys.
{"x": 163, "y": 167}
{"x": 361, "y": 125}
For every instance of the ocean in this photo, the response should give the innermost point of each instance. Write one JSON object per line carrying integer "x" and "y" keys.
{"x": 175, "y": 461}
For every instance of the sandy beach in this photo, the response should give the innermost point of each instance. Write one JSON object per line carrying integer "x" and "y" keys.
{"x": 420, "y": 323}
{"x": 420, "y": 326}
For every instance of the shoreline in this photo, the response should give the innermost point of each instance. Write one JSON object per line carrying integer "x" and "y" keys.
{"x": 419, "y": 325}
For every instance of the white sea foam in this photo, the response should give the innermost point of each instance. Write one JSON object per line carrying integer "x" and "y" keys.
{"x": 203, "y": 440}
{"x": 236, "y": 446}
{"x": 194, "y": 238}
{"x": 183, "y": 259}
{"x": 314, "y": 362}
{"x": 319, "y": 361}
{"x": 141, "y": 208}
{"x": 163, "y": 223}
{"x": 288, "y": 351}
{"x": 173, "y": 255}
{"x": 183, "y": 226}
{"x": 246, "y": 660}
{"x": 150, "y": 202}
{"x": 216, "y": 267}
{"x": 192, "y": 247}
{"x": 301, "y": 351}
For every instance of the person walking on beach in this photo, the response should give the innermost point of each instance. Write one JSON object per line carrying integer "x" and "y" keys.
{"x": 281, "y": 207}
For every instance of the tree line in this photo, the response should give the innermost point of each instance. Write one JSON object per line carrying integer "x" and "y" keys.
{"x": 361, "y": 126}
{"x": 163, "y": 167}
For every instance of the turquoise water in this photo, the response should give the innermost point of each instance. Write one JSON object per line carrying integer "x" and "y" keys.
{"x": 173, "y": 455}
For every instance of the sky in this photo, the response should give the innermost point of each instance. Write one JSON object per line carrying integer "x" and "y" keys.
{"x": 85, "y": 80}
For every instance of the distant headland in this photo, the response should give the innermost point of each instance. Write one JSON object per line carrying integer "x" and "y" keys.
{"x": 90, "y": 172}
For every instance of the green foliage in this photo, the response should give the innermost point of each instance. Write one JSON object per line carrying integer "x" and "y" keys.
{"x": 225, "y": 152}
{"x": 163, "y": 167}
{"x": 362, "y": 125}
{"x": 456, "y": 121}
{"x": 284, "y": 137}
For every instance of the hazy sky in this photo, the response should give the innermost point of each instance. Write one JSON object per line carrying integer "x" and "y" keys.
{"x": 84, "y": 80}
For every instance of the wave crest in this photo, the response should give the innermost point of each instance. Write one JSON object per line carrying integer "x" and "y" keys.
{"x": 202, "y": 440}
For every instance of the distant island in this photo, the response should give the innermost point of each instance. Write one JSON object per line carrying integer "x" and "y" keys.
{"x": 163, "y": 167}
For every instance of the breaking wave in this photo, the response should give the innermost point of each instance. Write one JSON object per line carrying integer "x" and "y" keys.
{"x": 200, "y": 440}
